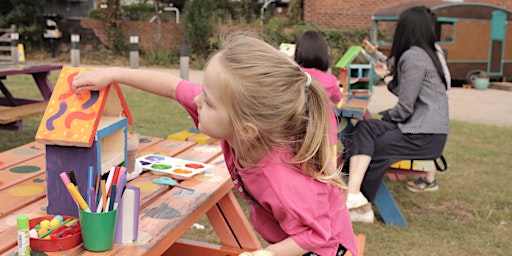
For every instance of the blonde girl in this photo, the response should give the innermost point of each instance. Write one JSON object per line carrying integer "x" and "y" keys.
{"x": 272, "y": 120}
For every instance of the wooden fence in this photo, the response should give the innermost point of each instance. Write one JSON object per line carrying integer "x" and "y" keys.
{"x": 5, "y": 43}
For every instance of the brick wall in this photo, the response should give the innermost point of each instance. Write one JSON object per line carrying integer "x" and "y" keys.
{"x": 170, "y": 33}
{"x": 356, "y": 14}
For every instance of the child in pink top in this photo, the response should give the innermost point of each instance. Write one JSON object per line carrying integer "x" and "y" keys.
{"x": 312, "y": 54}
{"x": 272, "y": 122}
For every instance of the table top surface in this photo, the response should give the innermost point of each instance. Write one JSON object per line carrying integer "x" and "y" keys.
{"x": 19, "y": 69}
{"x": 163, "y": 209}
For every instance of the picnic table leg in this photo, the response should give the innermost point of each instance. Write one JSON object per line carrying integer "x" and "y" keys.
{"x": 44, "y": 84}
{"x": 388, "y": 208}
{"x": 8, "y": 100}
{"x": 231, "y": 224}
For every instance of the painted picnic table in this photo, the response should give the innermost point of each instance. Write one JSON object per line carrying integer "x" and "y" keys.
{"x": 165, "y": 213}
{"x": 22, "y": 107}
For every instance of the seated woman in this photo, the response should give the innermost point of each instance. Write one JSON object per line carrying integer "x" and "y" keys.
{"x": 416, "y": 127}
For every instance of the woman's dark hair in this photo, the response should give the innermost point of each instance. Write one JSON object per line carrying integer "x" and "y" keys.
{"x": 415, "y": 27}
{"x": 312, "y": 51}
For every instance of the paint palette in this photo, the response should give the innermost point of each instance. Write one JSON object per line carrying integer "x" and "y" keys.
{"x": 178, "y": 168}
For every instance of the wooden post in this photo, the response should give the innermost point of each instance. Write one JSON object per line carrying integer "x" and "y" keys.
{"x": 14, "y": 47}
{"x": 75, "y": 50}
{"x": 184, "y": 59}
{"x": 134, "y": 52}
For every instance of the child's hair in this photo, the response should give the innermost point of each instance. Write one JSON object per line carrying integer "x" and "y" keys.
{"x": 312, "y": 51}
{"x": 262, "y": 86}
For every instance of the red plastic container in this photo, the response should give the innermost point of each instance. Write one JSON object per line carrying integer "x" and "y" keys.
{"x": 54, "y": 245}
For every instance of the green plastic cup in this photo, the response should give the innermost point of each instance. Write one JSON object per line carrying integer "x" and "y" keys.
{"x": 98, "y": 230}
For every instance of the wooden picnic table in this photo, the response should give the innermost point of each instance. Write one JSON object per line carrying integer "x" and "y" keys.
{"x": 165, "y": 213}
{"x": 20, "y": 108}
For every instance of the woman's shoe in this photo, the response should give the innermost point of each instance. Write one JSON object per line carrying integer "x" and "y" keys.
{"x": 356, "y": 200}
{"x": 421, "y": 185}
{"x": 367, "y": 217}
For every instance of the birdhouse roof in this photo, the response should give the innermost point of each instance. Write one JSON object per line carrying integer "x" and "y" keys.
{"x": 73, "y": 121}
{"x": 354, "y": 55}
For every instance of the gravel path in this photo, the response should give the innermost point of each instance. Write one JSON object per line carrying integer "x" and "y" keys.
{"x": 491, "y": 106}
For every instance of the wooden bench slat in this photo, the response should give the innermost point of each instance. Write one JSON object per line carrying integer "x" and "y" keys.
{"x": 9, "y": 115}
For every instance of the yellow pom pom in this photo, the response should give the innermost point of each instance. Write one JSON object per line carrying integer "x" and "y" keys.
{"x": 54, "y": 223}
{"x": 45, "y": 224}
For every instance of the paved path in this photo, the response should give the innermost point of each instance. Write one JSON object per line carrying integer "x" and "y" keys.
{"x": 491, "y": 106}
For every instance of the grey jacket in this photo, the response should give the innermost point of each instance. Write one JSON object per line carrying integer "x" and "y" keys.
{"x": 422, "y": 106}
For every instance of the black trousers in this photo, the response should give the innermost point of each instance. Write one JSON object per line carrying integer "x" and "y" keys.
{"x": 386, "y": 144}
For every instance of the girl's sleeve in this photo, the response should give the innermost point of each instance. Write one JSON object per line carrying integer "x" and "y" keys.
{"x": 336, "y": 94}
{"x": 306, "y": 217}
{"x": 185, "y": 95}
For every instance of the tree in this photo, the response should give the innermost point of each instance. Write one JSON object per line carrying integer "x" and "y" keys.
{"x": 23, "y": 14}
{"x": 198, "y": 26}
{"x": 115, "y": 33}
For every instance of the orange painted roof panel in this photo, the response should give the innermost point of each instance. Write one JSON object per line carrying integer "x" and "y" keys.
{"x": 72, "y": 121}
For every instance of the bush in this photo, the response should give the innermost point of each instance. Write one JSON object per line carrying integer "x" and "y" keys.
{"x": 160, "y": 56}
{"x": 142, "y": 11}
{"x": 279, "y": 31}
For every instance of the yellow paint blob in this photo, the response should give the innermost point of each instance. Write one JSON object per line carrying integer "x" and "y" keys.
{"x": 26, "y": 190}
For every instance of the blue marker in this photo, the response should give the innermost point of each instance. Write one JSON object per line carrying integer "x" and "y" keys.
{"x": 90, "y": 184}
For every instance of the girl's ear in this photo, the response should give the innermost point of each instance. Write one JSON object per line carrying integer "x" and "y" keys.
{"x": 250, "y": 131}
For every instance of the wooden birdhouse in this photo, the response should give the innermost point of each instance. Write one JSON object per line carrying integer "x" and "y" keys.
{"x": 81, "y": 132}
{"x": 356, "y": 71}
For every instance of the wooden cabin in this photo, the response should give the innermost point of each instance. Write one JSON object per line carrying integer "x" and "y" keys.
{"x": 474, "y": 36}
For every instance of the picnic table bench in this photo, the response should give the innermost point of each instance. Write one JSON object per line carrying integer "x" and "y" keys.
{"x": 15, "y": 109}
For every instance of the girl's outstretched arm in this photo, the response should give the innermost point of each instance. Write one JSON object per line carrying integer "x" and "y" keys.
{"x": 159, "y": 83}
{"x": 286, "y": 247}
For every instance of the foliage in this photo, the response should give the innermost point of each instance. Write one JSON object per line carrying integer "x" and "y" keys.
{"x": 483, "y": 74}
{"x": 279, "y": 31}
{"x": 141, "y": 11}
{"x": 23, "y": 14}
{"x": 197, "y": 26}
{"x": 294, "y": 10}
{"x": 160, "y": 56}
{"x": 115, "y": 33}
{"x": 94, "y": 14}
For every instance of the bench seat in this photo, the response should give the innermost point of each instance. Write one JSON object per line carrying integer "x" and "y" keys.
{"x": 13, "y": 114}
{"x": 416, "y": 168}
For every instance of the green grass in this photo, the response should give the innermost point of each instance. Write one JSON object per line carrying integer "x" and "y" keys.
{"x": 471, "y": 214}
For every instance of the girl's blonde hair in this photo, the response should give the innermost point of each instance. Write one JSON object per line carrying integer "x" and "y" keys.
{"x": 262, "y": 86}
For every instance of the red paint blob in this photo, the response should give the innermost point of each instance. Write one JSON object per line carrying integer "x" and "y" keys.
{"x": 194, "y": 166}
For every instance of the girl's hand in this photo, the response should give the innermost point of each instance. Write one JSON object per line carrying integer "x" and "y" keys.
{"x": 92, "y": 80}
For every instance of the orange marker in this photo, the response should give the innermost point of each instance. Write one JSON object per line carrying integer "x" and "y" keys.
{"x": 79, "y": 199}
{"x": 104, "y": 194}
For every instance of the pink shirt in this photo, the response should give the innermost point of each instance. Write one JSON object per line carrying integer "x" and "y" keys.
{"x": 330, "y": 84}
{"x": 289, "y": 203}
